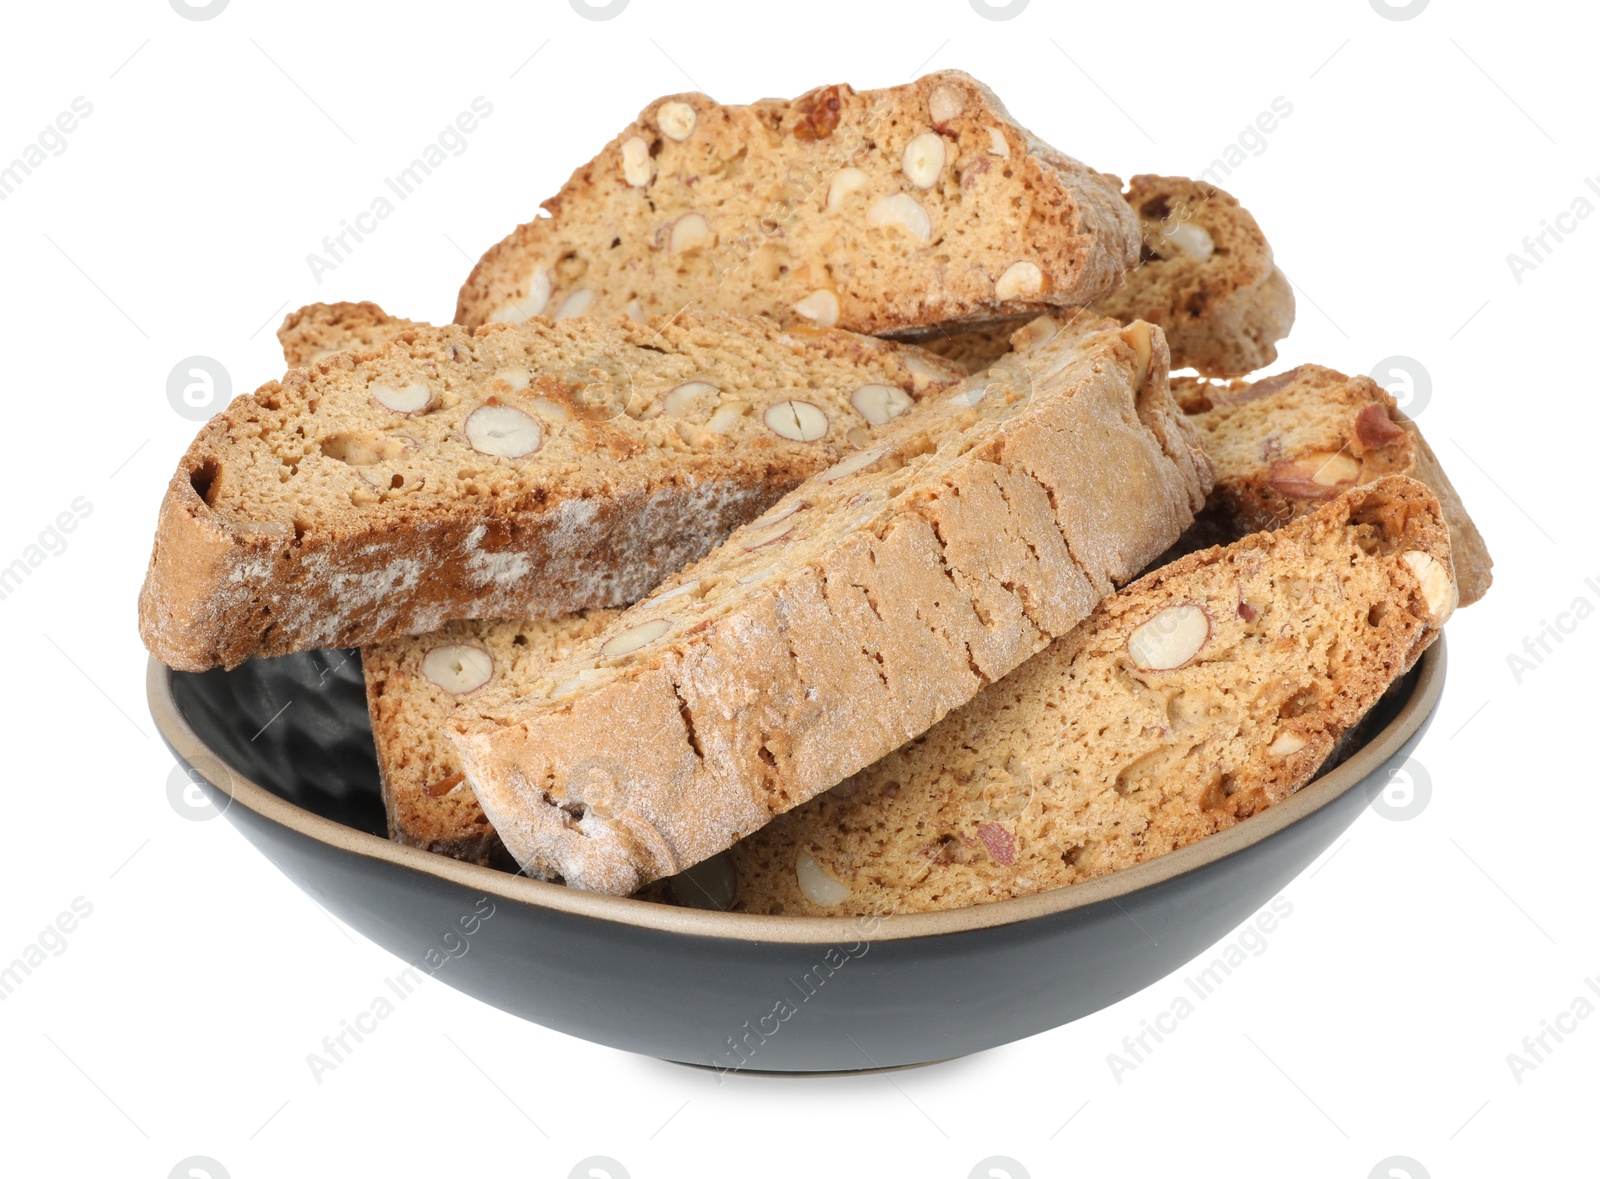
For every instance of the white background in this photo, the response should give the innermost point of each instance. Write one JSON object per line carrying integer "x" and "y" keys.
{"x": 177, "y": 221}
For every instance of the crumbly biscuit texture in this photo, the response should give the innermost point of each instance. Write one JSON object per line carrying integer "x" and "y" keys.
{"x": 519, "y": 471}
{"x": 1206, "y": 275}
{"x": 318, "y": 330}
{"x": 415, "y": 682}
{"x": 1199, "y": 695}
{"x": 895, "y": 211}
{"x": 1286, "y": 444}
{"x": 850, "y": 617}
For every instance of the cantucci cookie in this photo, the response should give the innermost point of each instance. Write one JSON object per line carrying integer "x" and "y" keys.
{"x": 1199, "y": 695}
{"x": 321, "y": 329}
{"x": 519, "y": 471}
{"x": 1286, "y": 444}
{"x": 1206, "y": 276}
{"x": 414, "y": 683}
{"x": 847, "y": 619}
{"x": 885, "y": 211}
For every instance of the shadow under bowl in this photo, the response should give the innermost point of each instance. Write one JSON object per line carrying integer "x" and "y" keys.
{"x": 284, "y": 749}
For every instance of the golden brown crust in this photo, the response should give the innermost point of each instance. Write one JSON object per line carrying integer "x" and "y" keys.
{"x": 898, "y": 590}
{"x": 313, "y": 514}
{"x": 622, "y": 232}
{"x": 1083, "y": 761}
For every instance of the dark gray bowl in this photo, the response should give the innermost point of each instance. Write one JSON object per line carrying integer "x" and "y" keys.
{"x": 284, "y": 747}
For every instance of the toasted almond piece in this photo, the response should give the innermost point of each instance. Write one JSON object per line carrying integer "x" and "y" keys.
{"x": 691, "y": 232}
{"x": 1170, "y": 639}
{"x": 676, "y": 120}
{"x": 820, "y": 307}
{"x": 1438, "y": 587}
{"x": 819, "y": 886}
{"x": 1021, "y": 280}
{"x": 944, "y": 104}
{"x": 635, "y": 638}
{"x": 410, "y": 399}
{"x": 923, "y": 159}
{"x": 760, "y": 538}
{"x": 1192, "y": 239}
{"x": 680, "y": 397}
{"x": 638, "y": 169}
{"x": 758, "y": 575}
{"x": 503, "y": 431}
{"x": 782, "y": 512}
{"x": 1285, "y": 744}
{"x": 798, "y": 421}
{"x": 727, "y": 415}
{"x": 1319, "y": 475}
{"x": 901, "y": 211}
{"x": 998, "y": 145}
{"x": 845, "y": 181}
{"x": 458, "y": 668}
{"x": 846, "y": 467}
{"x": 568, "y": 686}
{"x": 880, "y": 404}
{"x": 1374, "y": 428}
{"x": 553, "y": 410}
{"x": 529, "y": 305}
{"x": 1137, "y": 337}
{"x": 517, "y": 378}
{"x": 576, "y": 303}
{"x": 676, "y": 591}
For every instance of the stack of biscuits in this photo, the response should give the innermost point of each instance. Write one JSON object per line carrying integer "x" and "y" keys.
{"x": 801, "y": 517}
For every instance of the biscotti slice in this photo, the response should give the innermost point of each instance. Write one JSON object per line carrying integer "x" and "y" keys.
{"x": 893, "y": 211}
{"x": 321, "y": 329}
{"x": 1206, "y": 276}
{"x": 851, "y": 616}
{"x": 1286, "y": 444}
{"x": 415, "y": 682}
{"x": 520, "y": 471}
{"x": 1199, "y": 695}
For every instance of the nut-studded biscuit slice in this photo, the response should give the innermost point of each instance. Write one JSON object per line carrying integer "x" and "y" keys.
{"x": 318, "y": 330}
{"x": 1197, "y": 696}
{"x": 1286, "y": 444}
{"x": 1206, "y": 275}
{"x": 886, "y": 211}
{"x": 850, "y": 617}
{"x": 415, "y": 682}
{"x": 519, "y": 471}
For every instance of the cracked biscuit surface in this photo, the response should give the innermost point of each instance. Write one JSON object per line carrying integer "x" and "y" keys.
{"x": 1191, "y": 699}
{"x": 847, "y": 619}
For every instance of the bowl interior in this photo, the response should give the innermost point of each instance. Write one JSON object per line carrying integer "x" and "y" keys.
{"x": 298, "y": 726}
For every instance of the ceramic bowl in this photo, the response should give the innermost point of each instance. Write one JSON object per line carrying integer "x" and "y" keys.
{"x": 283, "y": 747}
